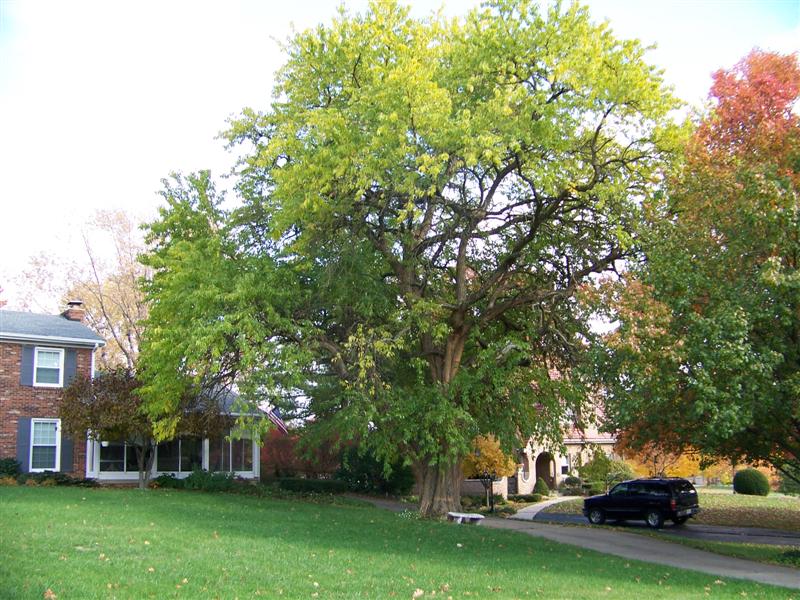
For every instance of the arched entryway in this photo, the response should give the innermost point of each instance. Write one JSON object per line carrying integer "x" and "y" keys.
{"x": 546, "y": 469}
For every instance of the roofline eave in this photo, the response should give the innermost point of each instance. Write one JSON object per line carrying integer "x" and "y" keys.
{"x": 50, "y": 339}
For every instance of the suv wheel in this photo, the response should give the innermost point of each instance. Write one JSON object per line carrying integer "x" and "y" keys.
{"x": 654, "y": 519}
{"x": 597, "y": 516}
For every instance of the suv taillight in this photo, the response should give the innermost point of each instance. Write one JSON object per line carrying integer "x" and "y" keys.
{"x": 672, "y": 504}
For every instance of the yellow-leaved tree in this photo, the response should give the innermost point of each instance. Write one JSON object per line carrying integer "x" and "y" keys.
{"x": 488, "y": 457}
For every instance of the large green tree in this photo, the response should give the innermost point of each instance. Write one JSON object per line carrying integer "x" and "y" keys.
{"x": 708, "y": 350}
{"x": 419, "y": 205}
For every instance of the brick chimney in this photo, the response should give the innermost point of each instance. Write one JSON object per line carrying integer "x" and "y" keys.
{"x": 74, "y": 311}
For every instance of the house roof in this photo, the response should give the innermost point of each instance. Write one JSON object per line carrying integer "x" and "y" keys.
{"x": 47, "y": 329}
{"x": 226, "y": 399}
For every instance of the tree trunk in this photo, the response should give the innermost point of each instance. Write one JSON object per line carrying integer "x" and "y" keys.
{"x": 439, "y": 488}
{"x": 440, "y": 484}
{"x": 145, "y": 455}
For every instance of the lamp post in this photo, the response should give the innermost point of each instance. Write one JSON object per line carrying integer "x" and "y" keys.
{"x": 487, "y": 479}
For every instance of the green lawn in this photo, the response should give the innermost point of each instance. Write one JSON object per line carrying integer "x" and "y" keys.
{"x": 111, "y": 543}
{"x": 718, "y": 508}
{"x": 787, "y": 556}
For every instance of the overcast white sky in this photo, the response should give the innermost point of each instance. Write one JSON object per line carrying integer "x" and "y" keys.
{"x": 100, "y": 100}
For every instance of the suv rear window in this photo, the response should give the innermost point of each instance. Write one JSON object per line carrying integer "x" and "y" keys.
{"x": 684, "y": 487}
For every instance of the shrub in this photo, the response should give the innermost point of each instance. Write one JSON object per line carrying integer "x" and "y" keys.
{"x": 525, "y": 497}
{"x": 209, "y": 482}
{"x": 6, "y": 480}
{"x": 472, "y": 501}
{"x": 10, "y": 467}
{"x": 541, "y": 487}
{"x": 571, "y": 486}
{"x": 750, "y": 482}
{"x": 364, "y": 473}
{"x": 167, "y": 481}
{"x": 313, "y": 486}
{"x": 504, "y": 511}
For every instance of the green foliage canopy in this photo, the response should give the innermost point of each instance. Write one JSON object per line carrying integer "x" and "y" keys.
{"x": 419, "y": 205}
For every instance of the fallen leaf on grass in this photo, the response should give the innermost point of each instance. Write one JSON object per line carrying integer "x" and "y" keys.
{"x": 418, "y": 593}
{"x": 49, "y": 595}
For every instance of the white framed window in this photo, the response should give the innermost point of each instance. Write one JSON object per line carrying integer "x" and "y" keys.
{"x": 118, "y": 457}
{"x": 48, "y": 367}
{"x": 45, "y": 445}
{"x": 181, "y": 455}
{"x": 229, "y": 455}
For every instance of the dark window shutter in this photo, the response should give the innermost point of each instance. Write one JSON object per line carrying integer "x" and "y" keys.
{"x": 24, "y": 443}
{"x": 26, "y": 366}
{"x": 66, "y": 454}
{"x": 70, "y": 365}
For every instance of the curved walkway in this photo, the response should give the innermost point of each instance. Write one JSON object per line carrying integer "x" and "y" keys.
{"x": 636, "y": 547}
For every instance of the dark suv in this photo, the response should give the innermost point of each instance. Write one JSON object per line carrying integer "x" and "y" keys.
{"x": 653, "y": 500}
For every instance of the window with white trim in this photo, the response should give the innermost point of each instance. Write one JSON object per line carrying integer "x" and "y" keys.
{"x": 48, "y": 367}
{"x": 118, "y": 457}
{"x": 45, "y": 445}
{"x": 181, "y": 455}
{"x": 229, "y": 455}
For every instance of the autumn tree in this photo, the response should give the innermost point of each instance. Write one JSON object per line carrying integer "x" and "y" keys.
{"x": 111, "y": 287}
{"x": 107, "y": 281}
{"x": 657, "y": 458}
{"x": 708, "y": 347}
{"x": 419, "y": 205}
{"x": 488, "y": 457}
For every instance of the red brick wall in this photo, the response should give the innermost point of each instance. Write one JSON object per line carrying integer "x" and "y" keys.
{"x": 23, "y": 401}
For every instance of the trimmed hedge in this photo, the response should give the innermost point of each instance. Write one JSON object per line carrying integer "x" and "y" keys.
{"x": 313, "y": 486}
{"x": 750, "y": 482}
{"x": 525, "y": 497}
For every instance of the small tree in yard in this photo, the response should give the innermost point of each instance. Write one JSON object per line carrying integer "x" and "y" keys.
{"x": 109, "y": 407}
{"x": 488, "y": 457}
{"x": 602, "y": 470}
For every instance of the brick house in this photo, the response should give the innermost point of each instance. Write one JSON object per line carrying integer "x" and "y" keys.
{"x": 39, "y": 356}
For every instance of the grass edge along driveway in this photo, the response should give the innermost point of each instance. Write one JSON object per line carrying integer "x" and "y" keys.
{"x": 112, "y": 543}
{"x": 735, "y": 510}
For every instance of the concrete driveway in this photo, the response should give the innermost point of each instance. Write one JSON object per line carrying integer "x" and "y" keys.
{"x": 632, "y": 546}
{"x": 710, "y": 533}
{"x": 648, "y": 549}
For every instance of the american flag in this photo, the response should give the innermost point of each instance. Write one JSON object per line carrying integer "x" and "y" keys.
{"x": 274, "y": 415}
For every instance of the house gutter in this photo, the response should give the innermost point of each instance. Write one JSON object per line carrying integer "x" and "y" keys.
{"x": 51, "y": 339}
